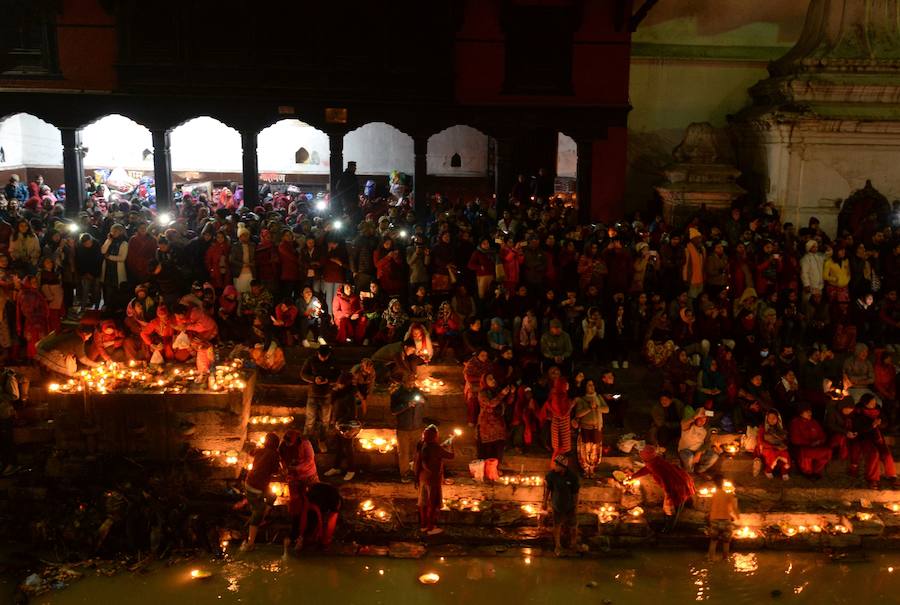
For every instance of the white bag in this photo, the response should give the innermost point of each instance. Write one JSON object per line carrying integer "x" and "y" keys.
{"x": 627, "y": 442}
{"x": 156, "y": 359}
{"x": 182, "y": 341}
{"x": 476, "y": 468}
{"x": 748, "y": 441}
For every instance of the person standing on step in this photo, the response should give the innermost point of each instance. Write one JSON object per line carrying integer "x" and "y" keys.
{"x": 429, "y": 473}
{"x": 875, "y": 450}
{"x": 723, "y": 512}
{"x": 561, "y": 489}
{"x": 589, "y": 410}
{"x": 321, "y": 372}
{"x": 345, "y": 402}
{"x": 408, "y": 408}
{"x": 559, "y": 407}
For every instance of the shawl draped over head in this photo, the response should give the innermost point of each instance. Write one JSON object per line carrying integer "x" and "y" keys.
{"x": 229, "y": 305}
{"x": 712, "y": 379}
{"x": 393, "y": 318}
{"x": 747, "y": 294}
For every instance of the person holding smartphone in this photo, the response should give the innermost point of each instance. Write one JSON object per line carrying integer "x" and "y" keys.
{"x": 695, "y": 449}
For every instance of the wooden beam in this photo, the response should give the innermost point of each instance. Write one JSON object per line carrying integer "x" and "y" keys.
{"x": 641, "y": 13}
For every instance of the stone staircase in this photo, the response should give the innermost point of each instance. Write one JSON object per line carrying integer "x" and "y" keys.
{"x": 507, "y": 513}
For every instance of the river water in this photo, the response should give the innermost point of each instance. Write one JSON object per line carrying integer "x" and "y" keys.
{"x": 655, "y": 578}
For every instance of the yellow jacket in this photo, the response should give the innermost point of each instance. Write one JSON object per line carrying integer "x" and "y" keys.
{"x": 837, "y": 275}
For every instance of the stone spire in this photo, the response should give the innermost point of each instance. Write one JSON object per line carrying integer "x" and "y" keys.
{"x": 839, "y": 35}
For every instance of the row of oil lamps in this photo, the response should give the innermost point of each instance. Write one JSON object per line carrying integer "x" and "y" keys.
{"x": 112, "y": 376}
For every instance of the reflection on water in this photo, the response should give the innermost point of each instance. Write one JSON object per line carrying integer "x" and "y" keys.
{"x": 745, "y": 563}
{"x": 658, "y": 578}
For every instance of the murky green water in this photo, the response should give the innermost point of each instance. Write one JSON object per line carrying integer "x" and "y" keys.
{"x": 646, "y": 577}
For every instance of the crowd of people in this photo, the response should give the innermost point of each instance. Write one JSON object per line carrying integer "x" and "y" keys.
{"x": 780, "y": 332}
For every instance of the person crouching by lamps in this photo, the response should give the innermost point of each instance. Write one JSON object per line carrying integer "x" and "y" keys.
{"x": 266, "y": 463}
{"x": 429, "y": 473}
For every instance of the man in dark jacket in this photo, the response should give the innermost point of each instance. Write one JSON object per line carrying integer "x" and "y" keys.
{"x": 321, "y": 372}
{"x": 408, "y": 408}
{"x": 88, "y": 263}
{"x": 347, "y": 192}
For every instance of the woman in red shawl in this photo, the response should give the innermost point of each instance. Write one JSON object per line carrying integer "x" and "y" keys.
{"x": 289, "y": 262}
{"x": 32, "y": 315}
{"x": 217, "y": 261}
{"x": 347, "y": 310}
{"x": 559, "y": 408}
{"x": 473, "y": 371}
{"x": 729, "y": 369}
{"x": 267, "y": 261}
{"x": 739, "y": 270}
{"x": 772, "y": 443}
{"x": 526, "y": 419}
{"x": 491, "y": 424}
{"x": 885, "y": 385}
{"x": 677, "y": 485}
{"x": 389, "y": 268}
{"x": 429, "y": 473}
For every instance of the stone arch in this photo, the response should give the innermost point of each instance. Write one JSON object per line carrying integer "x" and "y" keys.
{"x": 279, "y": 145}
{"x": 117, "y": 141}
{"x": 29, "y": 141}
{"x": 468, "y": 144}
{"x": 206, "y": 144}
{"x": 379, "y": 148}
{"x": 566, "y": 156}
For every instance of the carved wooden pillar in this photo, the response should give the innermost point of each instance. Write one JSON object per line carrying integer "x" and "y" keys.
{"x": 250, "y": 168}
{"x": 73, "y": 170}
{"x": 162, "y": 169}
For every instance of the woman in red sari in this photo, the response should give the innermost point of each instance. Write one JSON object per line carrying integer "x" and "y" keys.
{"x": 677, "y": 485}
{"x": 429, "y": 472}
{"x": 559, "y": 408}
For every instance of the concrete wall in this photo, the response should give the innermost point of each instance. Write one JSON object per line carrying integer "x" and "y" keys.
{"x": 693, "y": 61}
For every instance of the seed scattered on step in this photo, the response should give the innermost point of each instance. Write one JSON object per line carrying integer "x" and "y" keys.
{"x": 592, "y": 584}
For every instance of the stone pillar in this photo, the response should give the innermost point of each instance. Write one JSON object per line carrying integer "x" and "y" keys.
{"x": 503, "y": 173}
{"x": 250, "y": 168}
{"x": 584, "y": 175}
{"x": 336, "y": 165}
{"x": 162, "y": 169}
{"x": 73, "y": 170}
{"x": 420, "y": 175}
